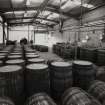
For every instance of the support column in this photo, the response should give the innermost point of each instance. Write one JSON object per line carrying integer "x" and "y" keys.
{"x": 34, "y": 36}
{"x": 28, "y": 33}
{"x": 7, "y": 32}
{"x": 3, "y": 33}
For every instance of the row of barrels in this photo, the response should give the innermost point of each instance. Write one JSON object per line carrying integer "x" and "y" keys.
{"x": 64, "y": 52}
{"x": 94, "y": 55}
{"x": 40, "y": 48}
{"x": 72, "y": 96}
{"x": 38, "y": 77}
{"x": 15, "y": 77}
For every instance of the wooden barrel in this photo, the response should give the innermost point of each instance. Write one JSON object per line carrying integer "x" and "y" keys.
{"x": 101, "y": 57}
{"x": 36, "y": 60}
{"x": 83, "y": 73}
{"x": 16, "y": 62}
{"x": 37, "y": 78}
{"x": 97, "y": 89}
{"x": 16, "y": 53}
{"x": 40, "y": 99}
{"x": 10, "y": 57}
{"x": 3, "y": 58}
{"x": 82, "y": 54}
{"x": 100, "y": 75}
{"x": 12, "y": 83}
{"x": 32, "y": 56}
{"x": 77, "y": 96}
{"x": 6, "y": 101}
{"x": 90, "y": 55}
{"x": 31, "y": 53}
{"x": 3, "y": 51}
{"x": 3, "y": 54}
{"x": 60, "y": 78}
{"x": 1, "y": 63}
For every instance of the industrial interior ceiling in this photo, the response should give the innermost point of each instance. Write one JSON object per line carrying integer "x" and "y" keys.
{"x": 45, "y": 12}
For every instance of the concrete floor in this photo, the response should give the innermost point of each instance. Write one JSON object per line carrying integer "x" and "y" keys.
{"x": 49, "y": 56}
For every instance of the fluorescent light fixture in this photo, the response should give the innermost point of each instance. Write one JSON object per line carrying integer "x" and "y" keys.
{"x": 88, "y": 5}
{"x": 31, "y": 11}
{"x": 37, "y": 1}
{"x": 16, "y": 12}
{"x": 45, "y": 13}
{"x": 84, "y": 41}
{"x": 54, "y": 15}
{"x": 17, "y": 1}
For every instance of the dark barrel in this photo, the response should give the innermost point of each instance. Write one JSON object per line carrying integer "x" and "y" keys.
{"x": 28, "y": 53}
{"x": 83, "y": 73}
{"x": 6, "y": 101}
{"x": 32, "y": 56}
{"x": 97, "y": 89}
{"x": 82, "y": 54}
{"x": 40, "y": 99}
{"x": 90, "y": 55}
{"x": 100, "y": 75}
{"x": 3, "y": 58}
{"x": 36, "y": 60}
{"x": 60, "y": 78}
{"x": 2, "y": 54}
{"x": 37, "y": 78}
{"x": 77, "y": 96}
{"x": 12, "y": 83}
{"x": 16, "y": 53}
{"x": 1, "y": 63}
{"x": 3, "y": 51}
{"x": 101, "y": 57}
{"x": 10, "y": 57}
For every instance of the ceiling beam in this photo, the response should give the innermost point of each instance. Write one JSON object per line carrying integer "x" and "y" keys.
{"x": 40, "y": 9}
{"x": 47, "y": 8}
{"x": 96, "y": 7}
{"x": 29, "y": 23}
{"x": 17, "y": 18}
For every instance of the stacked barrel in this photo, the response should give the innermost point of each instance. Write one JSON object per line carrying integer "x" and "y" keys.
{"x": 101, "y": 57}
{"x": 77, "y": 96}
{"x": 40, "y": 99}
{"x": 83, "y": 73}
{"x": 36, "y": 74}
{"x": 97, "y": 89}
{"x": 25, "y": 76}
{"x": 60, "y": 78}
{"x": 12, "y": 75}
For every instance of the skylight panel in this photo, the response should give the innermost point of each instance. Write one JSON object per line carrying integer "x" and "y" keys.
{"x": 74, "y": 3}
{"x": 54, "y": 15}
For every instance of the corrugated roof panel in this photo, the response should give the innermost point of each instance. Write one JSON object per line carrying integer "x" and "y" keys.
{"x": 34, "y": 3}
{"x": 26, "y": 20}
{"x": 56, "y": 2}
{"x": 52, "y": 16}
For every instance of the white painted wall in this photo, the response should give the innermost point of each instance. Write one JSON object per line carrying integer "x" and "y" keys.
{"x": 91, "y": 17}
